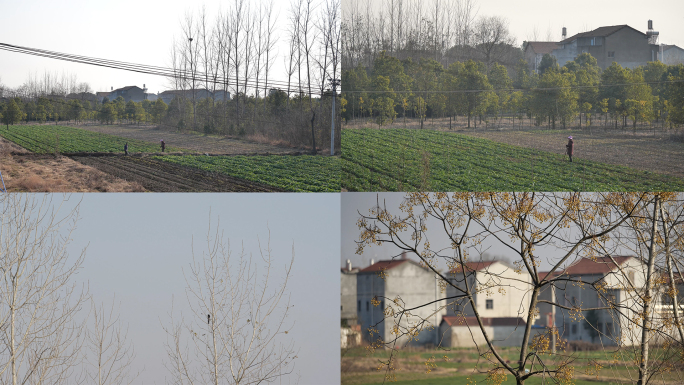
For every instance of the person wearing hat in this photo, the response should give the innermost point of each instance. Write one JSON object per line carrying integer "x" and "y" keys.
{"x": 569, "y": 147}
{"x": 126, "y": 148}
{"x": 163, "y": 145}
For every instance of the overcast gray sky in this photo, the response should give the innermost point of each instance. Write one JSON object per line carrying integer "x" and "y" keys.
{"x": 138, "y": 244}
{"x": 353, "y": 204}
{"x": 125, "y": 30}
{"x": 550, "y": 16}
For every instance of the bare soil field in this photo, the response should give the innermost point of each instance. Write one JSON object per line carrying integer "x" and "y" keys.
{"x": 160, "y": 176}
{"x": 644, "y": 149}
{"x": 26, "y": 172}
{"x": 200, "y": 143}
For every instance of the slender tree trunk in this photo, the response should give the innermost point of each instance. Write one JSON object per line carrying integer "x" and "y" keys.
{"x": 648, "y": 298}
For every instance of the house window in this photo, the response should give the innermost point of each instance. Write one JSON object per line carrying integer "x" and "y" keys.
{"x": 631, "y": 277}
{"x": 574, "y": 328}
{"x": 489, "y": 304}
{"x": 367, "y": 306}
{"x": 358, "y": 306}
{"x": 599, "y": 326}
{"x": 611, "y": 53}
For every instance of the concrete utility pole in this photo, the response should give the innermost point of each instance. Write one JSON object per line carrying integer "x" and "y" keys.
{"x": 335, "y": 83}
{"x": 192, "y": 73}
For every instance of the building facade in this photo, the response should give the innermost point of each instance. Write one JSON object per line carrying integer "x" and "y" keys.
{"x": 409, "y": 282}
{"x": 619, "y": 43}
{"x": 623, "y": 283}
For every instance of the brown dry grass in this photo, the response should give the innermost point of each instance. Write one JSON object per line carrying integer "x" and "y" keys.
{"x": 647, "y": 148}
{"x": 44, "y": 173}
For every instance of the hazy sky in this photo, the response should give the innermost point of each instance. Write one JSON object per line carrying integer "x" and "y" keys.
{"x": 546, "y": 16}
{"x": 138, "y": 244}
{"x": 355, "y": 203}
{"x": 125, "y": 30}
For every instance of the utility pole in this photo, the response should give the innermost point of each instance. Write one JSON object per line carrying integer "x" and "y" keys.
{"x": 335, "y": 83}
{"x": 192, "y": 73}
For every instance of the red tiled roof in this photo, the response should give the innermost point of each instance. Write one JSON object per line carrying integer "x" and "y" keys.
{"x": 601, "y": 266}
{"x": 543, "y": 274}
{"x": 383, "y": 265}
{"x": 486, "y": 321}
{"x": 473, "y": 266}
{"x": 542, "y": 46}
{"x": 601, "y": 31}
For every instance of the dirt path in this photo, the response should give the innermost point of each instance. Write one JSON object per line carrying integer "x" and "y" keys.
{"x": 657, "y": 153}
{"x": 195, "y": 142}
{"x": 160, "y": 176}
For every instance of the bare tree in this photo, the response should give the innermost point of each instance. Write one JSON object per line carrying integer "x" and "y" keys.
{"x": 109, "y": 354}
{"x": 237, "y": 327}
{"x": 578, "y": 228}
{"x": 492, "y": 38}
{"x": 40, "y": 336}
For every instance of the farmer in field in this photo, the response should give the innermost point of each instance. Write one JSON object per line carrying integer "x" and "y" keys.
{"x": 163, "y": 145}
{"x": 569, "y": 148}
{"x": 126, "y": 148}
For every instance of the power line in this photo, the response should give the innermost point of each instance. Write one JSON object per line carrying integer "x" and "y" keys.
{"x": 159, "y": 71}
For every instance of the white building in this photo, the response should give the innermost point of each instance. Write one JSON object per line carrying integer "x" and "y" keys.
{"x": 501, "y": 297}
{"x": 608, "y": 326}
{"x": 413, "y": 284}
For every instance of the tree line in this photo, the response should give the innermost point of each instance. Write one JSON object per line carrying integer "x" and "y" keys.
{"x": 577, "y": 93}
{"x": 234, "y": 52}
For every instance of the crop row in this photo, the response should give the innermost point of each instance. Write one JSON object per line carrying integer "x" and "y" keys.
{"x": 292, "y": 173}
{"x": 48, "y": 139}
{"x": 401, "y": 159}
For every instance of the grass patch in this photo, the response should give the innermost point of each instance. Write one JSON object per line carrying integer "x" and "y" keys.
{"x": 303, "y": 173}
{"x": 47, "y": 139}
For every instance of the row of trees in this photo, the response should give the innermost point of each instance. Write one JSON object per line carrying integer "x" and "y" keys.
{"x": 56, "y": 109}
{"x": 552, "y": 230}
{"x": 442, "y": 30}
{"x": 235, "y": 52}
{"x": 393, "y": 88}
{"x": 235, "y": 334}
{"x": 279, "y": 117}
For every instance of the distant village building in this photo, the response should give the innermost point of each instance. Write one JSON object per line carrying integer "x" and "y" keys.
{"x": 609, "y": 328}
{"x": 133, "y": 93}
{"x": 501, "y": 297}
{"x": 348, "y": 306}
{"x": 622, "y": 44}
{"x": 618, "y": 43}
{"x": 404, "y": 278}
{"x": 535, "y": 50}
{"x": 671, "y": 54}
{"x": 198, "y": 94}
{"x": 101, "y": 96}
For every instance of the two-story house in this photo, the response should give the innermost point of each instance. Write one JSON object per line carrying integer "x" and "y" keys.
{"x": 413, "y": 286}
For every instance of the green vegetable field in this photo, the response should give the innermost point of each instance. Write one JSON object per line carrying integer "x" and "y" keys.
{"x": 292, "y": 173}
{"x": 404, "y": 160}
{"x": 45, "y": 139}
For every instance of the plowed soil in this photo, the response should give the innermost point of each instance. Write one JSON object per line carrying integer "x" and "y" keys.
{"x": 23, "y": 171}
{"x": 200, "y": 143}
{"x": 159, "y": 176}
